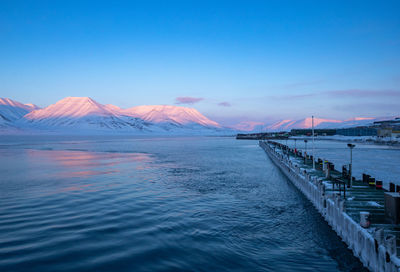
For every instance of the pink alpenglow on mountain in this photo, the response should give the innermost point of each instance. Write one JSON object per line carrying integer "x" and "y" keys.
{"x": 301, "y": 124}
{"x": 81, "y": 113}
{"x": 171, "y": 114}
{"x": 77, "y": 114}
{"x": 114, "y": 109}
{"x": 360, "y": 118}
{"x": 71, "y": 107}
{"x": 249, "y": 126}
{"x": 281, "y": 125}
{"x": 11, "y": 110}
{"x": 84, "y": 114}
{"x": 10, "y": 102}
{"x": 320, "y": 123}
{"x": 31, "y": 106}
{"x": 307, "y": 122}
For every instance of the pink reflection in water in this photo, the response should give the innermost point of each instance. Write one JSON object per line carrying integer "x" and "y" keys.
{"x": 88, "y": 173}
{"x": 76, "y": 188}
{"x": 84, "y": 163}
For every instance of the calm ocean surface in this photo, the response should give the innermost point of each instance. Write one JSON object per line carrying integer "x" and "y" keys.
{"x": 156, "y": 204}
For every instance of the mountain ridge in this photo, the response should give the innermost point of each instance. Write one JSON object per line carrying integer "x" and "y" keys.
{"x": 319, "y": 123}
{"x": 85, "y": 114}
{"x": 167, "y": 113}
{"x": 11, "y": 111}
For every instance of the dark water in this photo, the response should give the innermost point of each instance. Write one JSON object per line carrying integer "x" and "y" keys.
{"x": 156, "y": 204}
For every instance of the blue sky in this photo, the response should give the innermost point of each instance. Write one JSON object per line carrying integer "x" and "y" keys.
{"x": 232, "y": 60}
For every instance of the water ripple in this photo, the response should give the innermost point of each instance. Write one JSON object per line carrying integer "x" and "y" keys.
{"x": 210, "y": 204}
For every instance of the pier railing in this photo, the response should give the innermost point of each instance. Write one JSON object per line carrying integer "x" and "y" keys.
{"x": 376, "y": 250}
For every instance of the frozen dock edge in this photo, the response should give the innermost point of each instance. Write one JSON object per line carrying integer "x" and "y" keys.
{"x": 375, "y": 250}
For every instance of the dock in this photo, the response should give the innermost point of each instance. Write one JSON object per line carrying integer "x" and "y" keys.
{"x": 364, "y": 215}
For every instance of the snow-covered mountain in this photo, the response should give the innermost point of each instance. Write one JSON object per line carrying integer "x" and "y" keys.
{"x": 361, "y": 121}
{"x": 4, "y": 123}
{"x": 11, "y": 110}
{"x": 320, "y": 123}
{"x": 303, "y": 123}
{"x": 83, "y": 114}
{"x": 114, "y": 109}
{"x": 170, "y": 117}
{"x": 250, "y": 126}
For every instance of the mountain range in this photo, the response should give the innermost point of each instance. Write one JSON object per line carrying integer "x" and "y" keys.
{"x": 305, "y": 123}
{"x": 83, "y": 114}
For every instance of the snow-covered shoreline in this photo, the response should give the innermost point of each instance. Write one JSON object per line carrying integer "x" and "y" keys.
{"x": 359, "y": 139}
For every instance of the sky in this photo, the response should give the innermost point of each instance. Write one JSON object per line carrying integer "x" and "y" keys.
{"x": 234, "y": 61}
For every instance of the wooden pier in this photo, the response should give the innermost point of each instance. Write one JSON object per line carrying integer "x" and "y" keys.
{"x": 355, "y": 209}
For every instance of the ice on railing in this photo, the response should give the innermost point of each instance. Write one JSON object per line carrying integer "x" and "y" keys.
{"x": 376, "y": 251}
{"x": 374, "y": 204}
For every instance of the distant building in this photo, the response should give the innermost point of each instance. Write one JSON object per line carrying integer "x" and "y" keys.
{"x": 357, "y": 131}
{"x": 308, "y": 132}
{"x": 396, "y": 134}
{"x": 388, "y": 123}
{"x": 262, "y": 135}
{"x": 384, "y": 132}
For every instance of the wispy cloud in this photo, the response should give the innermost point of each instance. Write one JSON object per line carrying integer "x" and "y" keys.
{"x": 188, "y": 100}
{"x": 387, "y": 108}
{"x": 363, "y": 93}
{"x": 224, "y": 104}
{"x": 294, "y": 96}
{"x": 358, "y": 93}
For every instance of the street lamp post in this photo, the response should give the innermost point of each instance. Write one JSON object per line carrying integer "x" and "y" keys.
{"x": 305, "y": 153}
{"x": 313, "y": 155}
{"x": 351, "y": 146}
{"x": 305, "y": 143}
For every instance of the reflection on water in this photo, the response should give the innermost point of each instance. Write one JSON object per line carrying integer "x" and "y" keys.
{"x": 84, "y": 163}
{"x": 203, "y": 204}
{"x": 76, "y": 188}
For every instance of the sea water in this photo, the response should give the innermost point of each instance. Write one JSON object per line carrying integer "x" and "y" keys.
{"x": 156, "y": 204}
